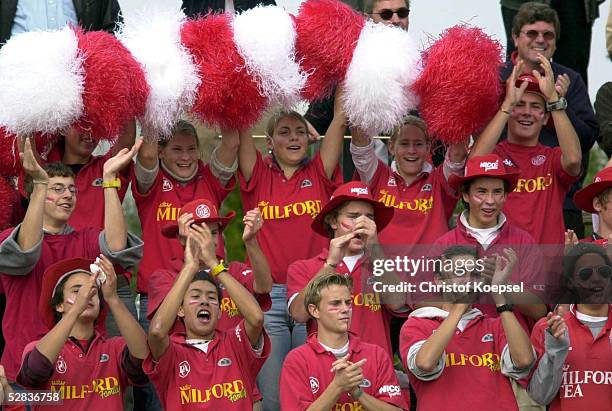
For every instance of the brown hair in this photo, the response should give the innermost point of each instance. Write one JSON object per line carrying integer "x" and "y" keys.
{"x": 181, "y": 127}
{"x": 603, "y": 196}
{"x": 532, "y": 12}
{"x": 312, "y": 292}
{"x": 57, "y": 169}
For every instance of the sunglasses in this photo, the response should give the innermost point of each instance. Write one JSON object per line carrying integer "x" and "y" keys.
{"x": 603, "y": 270}
{"x": 59, "y": 189}
{"x": 387, "y": 14}
{"x": 533, "y": 34}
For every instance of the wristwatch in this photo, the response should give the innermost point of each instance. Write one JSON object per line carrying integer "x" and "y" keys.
{"x": 505, "y": 307}
{"x": 560, "y": 104}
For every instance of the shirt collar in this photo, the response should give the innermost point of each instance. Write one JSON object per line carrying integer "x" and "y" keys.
{"x": 427, "y": 169}
{"x": 471, "y": 230}
{"x": 354, "y": 343}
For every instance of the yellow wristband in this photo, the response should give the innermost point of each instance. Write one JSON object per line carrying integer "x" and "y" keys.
{"x": 116, "y": 183}
{"x": 218, "y": 269}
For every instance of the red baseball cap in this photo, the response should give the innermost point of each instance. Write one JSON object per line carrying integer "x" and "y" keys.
{"x": 52, "y": 276}
{"x": 203, "y": 211}
{"x": 353, "y": 191}
{"x": 490, "y": 165}
{"x": 584, "y": 198}
{"x": 533, "y": 86}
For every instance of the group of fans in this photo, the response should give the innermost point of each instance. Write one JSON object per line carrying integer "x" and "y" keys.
{"x": 301, "y": 325}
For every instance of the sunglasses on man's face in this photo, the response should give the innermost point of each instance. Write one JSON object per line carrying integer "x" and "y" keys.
{"x": 603, "y": 270}
{"x": 387, "y": 14}
{"x": 533, "y": 34}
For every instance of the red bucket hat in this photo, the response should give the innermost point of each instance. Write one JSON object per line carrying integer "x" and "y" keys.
{"x": 203, "y": 212}
{"x": 51, "y": 279}
{"x": 353, "y": 191}
{"x": 584, "y": 198}
{"x": 490, "y": 165}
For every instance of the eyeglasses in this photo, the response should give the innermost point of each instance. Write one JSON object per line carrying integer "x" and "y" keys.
{"x": 533, "y": 34}
{"x": 387, "y": 14}
{"x": 59, "y": 189}
{"x": 603, "y": 270}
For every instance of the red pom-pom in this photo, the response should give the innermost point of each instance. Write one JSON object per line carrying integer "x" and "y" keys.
{"x": 8, "y": 196}
{"x": 228, "y": 95}
{"x": 10, "y": 164}
{"x": 327, "y": 34}
{"x": 459, "y": 86}
{"x": 115, "y": 86}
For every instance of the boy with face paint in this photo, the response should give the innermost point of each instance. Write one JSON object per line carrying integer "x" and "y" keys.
{"x": 352, "y": 219}
{"x": 547, "y": 173}
{"x": 335, "y": 369}
{"x": 88, "y": 370}
{"x": 441, "y": 347}
{"x": 45, "y": 237}
{"x": 204, "y": 368}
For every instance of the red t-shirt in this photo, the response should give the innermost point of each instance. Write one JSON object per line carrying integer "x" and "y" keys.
{"x": 536, "y": 204}
{"x": 472, "y": 378}
{"x": 370, "y": 321}
{"x": 160, "y": 206}
{"x": 587, "y": 371}
{"x": 21, "y": 323}
{"x": 306, "y": 374}
{"x": 162, "y": 280}
{"x": 222, "y": 379}
{"x": 288, "y": 206}
{"x": 422, "y": 209}
{"x": 91, "y": 380}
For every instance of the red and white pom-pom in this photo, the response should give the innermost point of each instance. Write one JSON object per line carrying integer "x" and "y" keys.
{"x": 41, "y": 82}
{"x": 115, "y": 87}
{"x": 153, "y": 36}
{"x": 327, "y": 33}
{"x": 7, "y": 203}
{"x": 265, "y": 37}
{"x": 459, "y": 87}
{"x": 377, "y": 91}
{"x": 228, "y": 95}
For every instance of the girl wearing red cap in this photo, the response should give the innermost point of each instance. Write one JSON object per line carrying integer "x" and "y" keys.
{"x": 290, "y": 189}
{"x": 88, "y": 370}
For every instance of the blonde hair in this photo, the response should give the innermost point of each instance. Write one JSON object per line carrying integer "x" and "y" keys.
{"x": 312, "y": 292}
{"x": 411, "y": 120}
{"x": 278, "y": 116}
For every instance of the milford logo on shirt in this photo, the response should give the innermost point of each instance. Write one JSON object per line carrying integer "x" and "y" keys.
{"x": 202, "y": 211}
{"x": 314, "y": 385}
{"x": 306, "y": 183}
{"x": 426, "y": 187}
{"x": 538, "y": 160}
{"x": 509, "y": 162}
{"x": 489, "y": 165}
{"x": 104, "y": 358}
{"x": 487, "y": 338}
{"x": 224, "y": 362}
{"x": 97, "y": 182}
{"x": 422, "y": 205}
{"x": 166, "y": 185}
{"x": 391, "y": 182}
{"x": 60, "y": 365}
{"x": 390, "y": 390}
{"x": 238, "y": 332}
{"x": 184, "y": 369}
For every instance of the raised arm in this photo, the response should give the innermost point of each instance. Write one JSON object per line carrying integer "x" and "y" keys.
{"x": 147, "y": 165}
{"x": 259, "y": 263}
{"x": 247, "y": 154}
{"x": 31, "y": 230}
{"x": 485, "y": 143}
{"x": 363, "y": 154}
{"x": 245, "y": 302}
{"x": 131, "y": 331}
{"x": 115, "y": 227}
{"x": 51, "y": 344}
{"x": 165, "y": 316}
{"x": 331, "y": 148}
{"x": 223, "y": 162}
{"x": 571, "y": 155}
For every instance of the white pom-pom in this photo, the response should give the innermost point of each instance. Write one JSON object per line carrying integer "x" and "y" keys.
{"x": 265, "y": 37}
{"x": 41, "y": 82}
{"x": 377, "y": 93}
{"x": 153, "y": 36}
